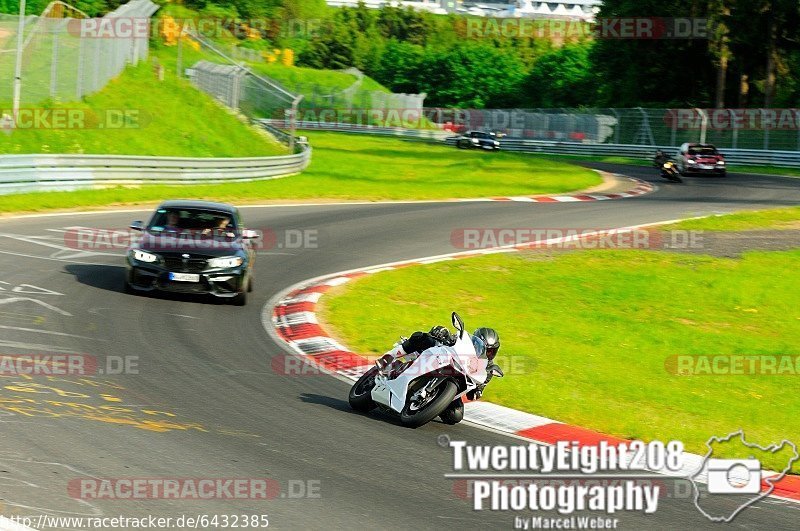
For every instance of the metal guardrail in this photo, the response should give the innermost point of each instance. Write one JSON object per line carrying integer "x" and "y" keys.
{"x": 31, "y": 173}
{"x": 745, "y": 157}
{"x": 420, "y": 134}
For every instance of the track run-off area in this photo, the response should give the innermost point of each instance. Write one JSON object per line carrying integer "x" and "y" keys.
{"x": 187, "y": 388}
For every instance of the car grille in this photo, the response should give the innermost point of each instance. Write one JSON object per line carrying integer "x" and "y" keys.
{"x": 185, "y": 265}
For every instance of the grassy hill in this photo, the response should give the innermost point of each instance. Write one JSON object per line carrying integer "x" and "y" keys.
{"x": 174, "y": 119}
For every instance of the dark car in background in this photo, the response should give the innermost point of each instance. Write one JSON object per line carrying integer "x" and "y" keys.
{"x": 479, "y": 140}
{"x": 193, "y": 247}
{"x": 700, "y": 158}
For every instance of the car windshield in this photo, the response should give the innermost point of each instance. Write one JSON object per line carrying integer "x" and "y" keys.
{"x": 186, "y": 219}
{"x": 702, "y": 150}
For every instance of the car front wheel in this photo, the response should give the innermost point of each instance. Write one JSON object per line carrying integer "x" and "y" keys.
{"x": 240, "y": 299}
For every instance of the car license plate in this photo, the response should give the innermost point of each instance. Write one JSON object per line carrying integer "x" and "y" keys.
{"x": 705, "y": 166}
{"x": 184, "y": 277}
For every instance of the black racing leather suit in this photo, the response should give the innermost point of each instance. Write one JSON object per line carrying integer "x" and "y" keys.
{"x": 418, "y": 342}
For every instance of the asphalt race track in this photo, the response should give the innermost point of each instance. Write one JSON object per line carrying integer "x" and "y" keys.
{"x": 207, "y": 403}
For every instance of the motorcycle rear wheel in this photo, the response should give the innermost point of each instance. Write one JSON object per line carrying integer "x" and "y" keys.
{"x": 360, "y": 396}
{"x": 446, "y": 392}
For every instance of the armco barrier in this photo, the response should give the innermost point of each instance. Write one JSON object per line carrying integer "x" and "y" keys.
{"x": 31, "y": 173}
{"x": 787, "y": 159}
{"x": 745, "y": 157}
{"x": 420, "y": 134}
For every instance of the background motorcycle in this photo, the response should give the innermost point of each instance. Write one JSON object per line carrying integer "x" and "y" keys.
{"x": 421, "y": 387}
{"x": 669, "y": 170}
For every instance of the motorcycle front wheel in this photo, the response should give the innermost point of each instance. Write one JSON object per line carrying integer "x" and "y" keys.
{"x": 454, "y": 413}
{"x": 413, "y": 417}
{"x": 360, "y": 396}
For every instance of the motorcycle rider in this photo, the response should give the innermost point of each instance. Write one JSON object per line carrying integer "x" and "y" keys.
{"x": 660, "y": 158}
{"x": 489, "y": 339}
{"x": 422, "y": 341}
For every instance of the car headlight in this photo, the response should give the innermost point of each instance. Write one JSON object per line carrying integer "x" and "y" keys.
{"x": 720, "y": 163}
{"x": 143, "y": 256}
{"x": 227, "y": 261}
{"x": 690, "y": 161}
{"x": 496, "y": 143}
{"x": 475, "y": 141}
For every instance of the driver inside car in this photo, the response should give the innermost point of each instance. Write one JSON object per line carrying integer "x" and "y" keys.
{"x": 173, "y": 219}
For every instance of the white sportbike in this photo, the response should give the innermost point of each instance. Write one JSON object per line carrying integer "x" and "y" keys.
{"x": 422, "y": 386}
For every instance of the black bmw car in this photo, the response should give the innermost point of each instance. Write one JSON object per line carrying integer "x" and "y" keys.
{"x": 478, "y": 139}
{"x": 192, "y": 247}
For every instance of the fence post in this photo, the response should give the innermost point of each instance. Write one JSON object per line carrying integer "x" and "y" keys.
{"x": 644, "y": 132}
{"x": 293, "y": 122}
{"x": 674, "y": 133}
{"x": 797, "y": 120}
{"x": 134, "y": 50}
{"x": 703, "y": 124}
{"x": 18, "y": 64}
{"x": 617, "y": 127}
{"x": 179, "y": 66}
{"x": 81, "y": 51}
{"x": 735, "y": 134}
{"x": 54, "y": 65}
{"x": 766, "y": 131}
{"x": 96, "y": 65}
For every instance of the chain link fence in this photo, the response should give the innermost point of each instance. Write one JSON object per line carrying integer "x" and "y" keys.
{"x": 66, "y": 55}
{"x": 240, "y": 84}
{"x": 355, "y": 96}
{"x": 762, "y": 129}
{"x": 318, "y": 98}
{"x": 236, "y": 85}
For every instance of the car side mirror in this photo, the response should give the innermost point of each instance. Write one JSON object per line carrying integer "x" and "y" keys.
{"x": 137, "y": 225}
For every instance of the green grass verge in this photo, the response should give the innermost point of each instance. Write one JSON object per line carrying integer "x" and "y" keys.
{"x": 586, "y": 335}
{"x": 347, "y": 166}
{"x": 293, "y": 77}
{"x": 774, "y": 218}
{"x": 175, "y": 120}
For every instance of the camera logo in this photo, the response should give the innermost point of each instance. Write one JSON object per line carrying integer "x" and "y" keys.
{"x": 740, "y": 482}
{"x": 734, "y": 476}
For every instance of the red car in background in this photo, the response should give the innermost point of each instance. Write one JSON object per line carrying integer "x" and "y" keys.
{"x": 700, "y": 158}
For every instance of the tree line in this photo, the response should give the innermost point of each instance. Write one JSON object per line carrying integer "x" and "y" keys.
{"x": 749, "y": 55}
